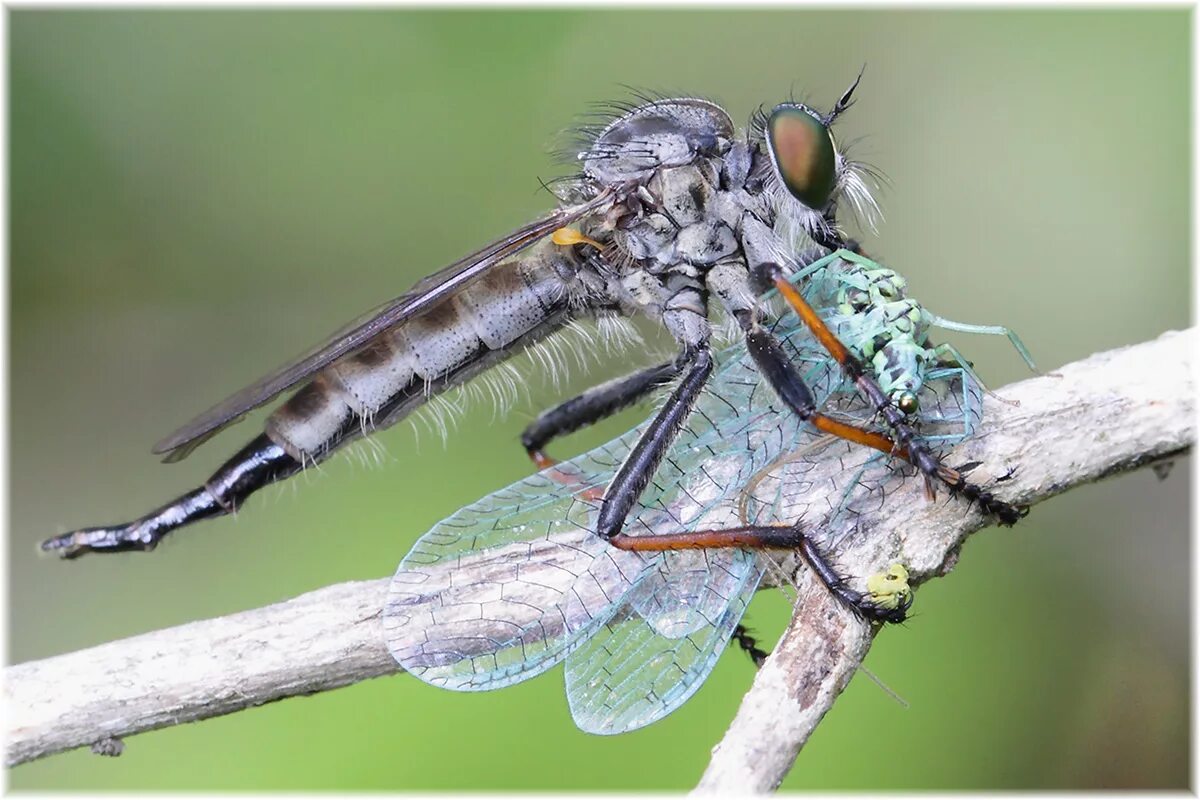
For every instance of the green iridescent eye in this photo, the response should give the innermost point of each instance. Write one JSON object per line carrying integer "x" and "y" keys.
{"x": 908, "y": 403}
{"x": 803, "y": 153}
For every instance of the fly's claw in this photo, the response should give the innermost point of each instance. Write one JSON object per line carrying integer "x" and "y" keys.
{"x": 887, "y": 599}
{"x": 1007, "y": 514}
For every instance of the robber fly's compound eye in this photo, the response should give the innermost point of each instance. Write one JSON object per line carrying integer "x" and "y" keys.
{"x": 802, "y": 151}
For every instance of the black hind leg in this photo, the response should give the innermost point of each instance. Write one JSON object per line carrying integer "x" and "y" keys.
{"x": 594, "y": 405}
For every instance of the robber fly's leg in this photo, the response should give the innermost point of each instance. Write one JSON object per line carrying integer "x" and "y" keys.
{"x": 774, "y": 365}
{"x": 257, "y": 464}
{"x": 749, "y": 644}
{"x": 785, "y": 380}
{"x": 884, "y": 606}
{"x": 646, "y": 455}
{"x": 592, "y": 406}
{"x": 639, "y": 466}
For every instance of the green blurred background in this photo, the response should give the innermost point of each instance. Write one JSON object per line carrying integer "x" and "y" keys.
{"x": 196, "y": 196}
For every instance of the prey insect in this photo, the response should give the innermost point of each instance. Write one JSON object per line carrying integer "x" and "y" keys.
{"x": 526, "y": 578}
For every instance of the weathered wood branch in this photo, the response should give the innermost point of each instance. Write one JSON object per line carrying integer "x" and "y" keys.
{"x": 1142, "y": 398}
{"x": 1112, "y": 412}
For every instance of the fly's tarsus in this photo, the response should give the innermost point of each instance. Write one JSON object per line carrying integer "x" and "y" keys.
{"x": 1007, "y": 514}
{"x": 749, "y": 644}
{"x": 887, "y": 599}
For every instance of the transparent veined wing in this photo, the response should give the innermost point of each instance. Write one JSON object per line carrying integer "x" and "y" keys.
{"x": 428, "y": 292}
{"x": 636, "y": 669}
{"x": 503, "y": 589}
{"x": 509, "y": 586}
{"x": 665, "y": 640}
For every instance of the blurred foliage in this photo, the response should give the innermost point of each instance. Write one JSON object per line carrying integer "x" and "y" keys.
{"x": 195, "y": 195}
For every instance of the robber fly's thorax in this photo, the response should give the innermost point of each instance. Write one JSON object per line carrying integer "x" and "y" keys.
{"x": 686, "y": 226}
{"x": 681, "y": 219}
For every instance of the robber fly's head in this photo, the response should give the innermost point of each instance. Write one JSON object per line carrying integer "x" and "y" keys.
{"x": 807, "y": 163}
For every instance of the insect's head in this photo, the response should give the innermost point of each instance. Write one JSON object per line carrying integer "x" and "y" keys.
{"x": 907, "y": 402}
{"x": 802, "y": 149}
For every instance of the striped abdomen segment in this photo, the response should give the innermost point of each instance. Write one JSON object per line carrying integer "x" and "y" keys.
{"x": 510, "y": 305}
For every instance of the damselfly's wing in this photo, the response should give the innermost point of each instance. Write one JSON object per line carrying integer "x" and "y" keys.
{"x": 426, "y": 294}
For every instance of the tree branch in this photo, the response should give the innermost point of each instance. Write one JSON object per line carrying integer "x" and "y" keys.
{"x": 1142, "y": 397}
{"x": 1109, "y": 413}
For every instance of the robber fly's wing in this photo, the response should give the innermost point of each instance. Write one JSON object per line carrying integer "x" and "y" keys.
{"x": 427, "y": 293}
{"x": 503, "y": 589}
{"x": 635, "y": 670}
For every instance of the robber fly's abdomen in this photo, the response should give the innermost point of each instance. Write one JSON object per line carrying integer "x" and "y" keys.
{"x": 508, "y": 307}
{"x": 511, "y": 305}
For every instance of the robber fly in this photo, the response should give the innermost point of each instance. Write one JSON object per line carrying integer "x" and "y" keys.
{"x": 674, "y": 215}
